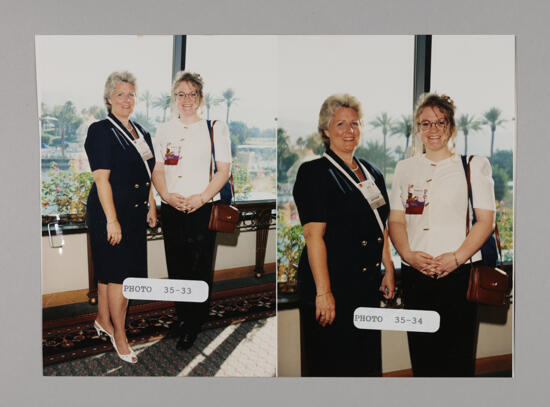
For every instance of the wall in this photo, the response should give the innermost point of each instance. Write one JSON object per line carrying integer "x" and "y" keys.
{"x": 66, "y": 269}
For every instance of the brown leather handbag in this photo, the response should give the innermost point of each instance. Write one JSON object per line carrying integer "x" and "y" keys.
{"x": 487, "y": 284}
{"x": 224, "y": 217}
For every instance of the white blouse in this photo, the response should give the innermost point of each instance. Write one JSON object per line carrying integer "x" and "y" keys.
{"x": 442, "y": 187}
{"x": 185, "y": 151}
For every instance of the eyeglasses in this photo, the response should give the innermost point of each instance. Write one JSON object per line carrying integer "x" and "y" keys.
{"x": 182, "y": 95}
{"x": 426, "y": 125}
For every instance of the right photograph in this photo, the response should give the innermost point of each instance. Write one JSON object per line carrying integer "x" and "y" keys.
{"x": 395, "y": 182}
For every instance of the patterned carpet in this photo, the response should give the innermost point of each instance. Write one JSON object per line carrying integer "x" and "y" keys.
{"x": 243, "y": 311}
{"x": 243, "y": 349}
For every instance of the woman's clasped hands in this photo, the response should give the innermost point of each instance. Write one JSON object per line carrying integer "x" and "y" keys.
{"x": 434, "y": 267}
{"x": 185, "y": 204}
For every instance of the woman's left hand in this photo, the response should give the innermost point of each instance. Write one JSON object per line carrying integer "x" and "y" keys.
{"x": 446, "y": 264}
{"x": 388, "y": 285}
{"x": 193, "y": 203}
{"x": 152, "y": 216}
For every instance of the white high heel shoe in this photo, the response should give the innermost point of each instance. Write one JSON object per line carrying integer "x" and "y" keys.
{"x": 99, "y": 329}
{"x": 130, "y": 357}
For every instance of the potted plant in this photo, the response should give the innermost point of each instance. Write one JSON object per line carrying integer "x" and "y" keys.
{"x": 65, "y": 193}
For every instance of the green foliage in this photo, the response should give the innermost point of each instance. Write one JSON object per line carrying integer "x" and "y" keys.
{"x": 373, "y": 152}
{"x": 98, "y": 112}
{"x": 315, "y": 144}
{"x": 147, "y": 97}
{"x": 286, "y": 156}
{"x": 241, "y": 181}
{"x": 65, "y": 192}
{"x": 505, "y": 222}
{"x": 404, "y": 127}
{"x": 228, "y": 97}
{"x": 210, "y": 101}
{"x": 66, "y": 124}
{"x": 500, "y": 178}
{"x": 465, "y": 124}
{"x": 492, "y": 119}
{"x": 144, "y": 122}
{"x": 290, "y": 243}
{"x": 47, "y": 138}
{"x": 163, "y": 103}
{"x": 504, "y": 159}
{"x": 239, "y": 134}
{"x": 385, "y": 122}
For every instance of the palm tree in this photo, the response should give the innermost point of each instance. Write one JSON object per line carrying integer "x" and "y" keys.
{"x": 385, "y": 122}
{"x": 67, "y": 122}
{"x": 229, "y": 98}
{"x": 466, "y": 123}
{"x": 404, "y": 127}
{"x": 493, "y": 120}
{"x": 210, "y": 101}
{"x": 148, "y": 99}
{"x": 163, "y": 103}
{"x": 375, "y": 153}
{"x": 300, "y": 143}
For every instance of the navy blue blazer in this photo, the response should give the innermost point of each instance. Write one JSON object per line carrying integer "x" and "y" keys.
{"x": 353, "y": 237}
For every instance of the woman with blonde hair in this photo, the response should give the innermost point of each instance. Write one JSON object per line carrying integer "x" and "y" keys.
{"x": 346, "y": 242}
{"x": 429, "y": 203}
{"x": 120, "y": 204}
{"x": 183, "y": 179}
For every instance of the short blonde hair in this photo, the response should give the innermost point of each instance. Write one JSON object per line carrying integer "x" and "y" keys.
{"x": 191, "y": 77}
{"x": 111, "y": 83}
{"x": 444, "y": 103}
{"x": 330, "y": 106}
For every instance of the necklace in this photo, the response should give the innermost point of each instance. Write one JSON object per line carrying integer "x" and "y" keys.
{"x": 131, "y": 130}
{"x": 356, "y": 168}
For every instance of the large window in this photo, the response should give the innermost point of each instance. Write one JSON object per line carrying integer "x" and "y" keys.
{"x": 478, "y": 72}
{"x": 240, "y": 75}
{"x": 240, "y": 87}
{"x": 71, "y": 74}
{"x": 378, "y": 70}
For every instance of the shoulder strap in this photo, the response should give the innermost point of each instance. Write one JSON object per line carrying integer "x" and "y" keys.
{"x": 470, "y": 200}
{"x": 213, "y": 157}
{"x": 132, "y": 142}
{"x": 353, "y": 182}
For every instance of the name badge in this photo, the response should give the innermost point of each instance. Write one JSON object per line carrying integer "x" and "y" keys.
{"x": 143, "y": 149}
{"x": 171, "y": 156}
{"x": 372, "y": 194}
{"x": 416, "y": 200}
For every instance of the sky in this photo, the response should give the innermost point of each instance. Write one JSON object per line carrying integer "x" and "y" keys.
{"x": 75, "y": 68}
{"x": 476, "y": 71}
{"x": 284, "y": 79}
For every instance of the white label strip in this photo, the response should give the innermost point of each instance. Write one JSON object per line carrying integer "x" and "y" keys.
{"x": 390, "y": 319}
{"x": 158, "y": 289}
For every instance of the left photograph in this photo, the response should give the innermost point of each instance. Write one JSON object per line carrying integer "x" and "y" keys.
{"x": 158, "y": 163}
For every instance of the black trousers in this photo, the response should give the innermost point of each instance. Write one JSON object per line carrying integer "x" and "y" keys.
{"x": 189, "y": 248}
{"x": 449, "y": 352}
{"x": 340, "y": 349}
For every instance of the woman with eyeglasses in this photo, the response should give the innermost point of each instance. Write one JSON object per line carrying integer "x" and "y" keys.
{"x": 120, "y": 205}
{"x": 343, "y": 207}
{"x": 429, "y": 201}
{"x": 183, "y": 180}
